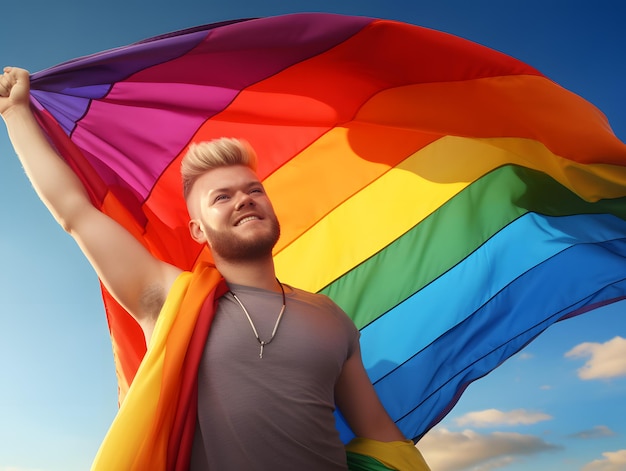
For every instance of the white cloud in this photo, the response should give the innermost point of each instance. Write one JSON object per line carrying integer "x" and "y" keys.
{"x": 17, "y": 468}
{"x": 608, "y": 360}
{"x": 598, "y": 431}
{"x": 525, "y": 356}
{"x": 613, "y": 461}
{"x": 495, "y": 417}
{"x": 444, "y": 450}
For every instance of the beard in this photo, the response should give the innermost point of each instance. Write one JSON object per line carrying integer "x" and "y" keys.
{"x": 233, "y": 248}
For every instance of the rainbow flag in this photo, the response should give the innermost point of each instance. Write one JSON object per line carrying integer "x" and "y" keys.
{"x": 454, "y": 201}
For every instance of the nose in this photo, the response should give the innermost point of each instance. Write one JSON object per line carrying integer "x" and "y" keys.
{"x": 243, "y": 199}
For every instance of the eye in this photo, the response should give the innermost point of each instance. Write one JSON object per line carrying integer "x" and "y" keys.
{"x": 220, "y": 197}
{"x": 256, "y": 190}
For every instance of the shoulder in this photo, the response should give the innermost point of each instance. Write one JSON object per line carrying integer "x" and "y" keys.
{"x": 321, "y": 302}
{"x": 318, "y": 299}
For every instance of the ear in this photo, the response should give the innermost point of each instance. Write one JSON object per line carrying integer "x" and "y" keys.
{"x": 196, "y": 231}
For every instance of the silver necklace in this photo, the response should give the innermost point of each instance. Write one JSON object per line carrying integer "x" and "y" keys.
{"x": 263, "y": 343}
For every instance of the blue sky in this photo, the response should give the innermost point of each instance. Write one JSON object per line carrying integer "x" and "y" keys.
{"x": 58, "y": 393}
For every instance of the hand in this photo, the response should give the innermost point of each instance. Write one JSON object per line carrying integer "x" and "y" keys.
{"x": 14, "y": 88}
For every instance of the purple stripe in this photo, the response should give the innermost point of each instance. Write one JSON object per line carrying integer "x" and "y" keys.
{"x": 156, "y": 111}
{"x": 107, "y": 67}
{"x": 139, "y": 131}
{"x": 71, "y": 86}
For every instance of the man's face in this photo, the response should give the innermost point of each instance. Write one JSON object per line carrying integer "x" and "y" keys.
{"x": 231, "y": 213}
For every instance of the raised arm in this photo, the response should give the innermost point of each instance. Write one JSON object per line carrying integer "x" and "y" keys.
{"x": 132, "y": 275}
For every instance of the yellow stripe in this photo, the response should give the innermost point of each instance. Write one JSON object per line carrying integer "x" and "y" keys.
{"x": 330, "y": 171}
{"x": 402, "y": 455}
{"x": 126, "y": 441}
{"x": 405, "y": 195}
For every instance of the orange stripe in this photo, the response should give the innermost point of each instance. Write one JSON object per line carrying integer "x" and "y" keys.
{"x": 513, "y": 106}
{"x": 175, "y": 352}
{"x": 334, "y": 168}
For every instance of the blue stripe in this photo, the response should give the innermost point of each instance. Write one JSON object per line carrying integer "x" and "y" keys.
{"x": 421, "y": 390}
{"x": 450, "y": 299}
{"x": 420, "y": 371}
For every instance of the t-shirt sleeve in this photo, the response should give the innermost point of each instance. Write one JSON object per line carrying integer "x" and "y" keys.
{"x": 352, "y": 333}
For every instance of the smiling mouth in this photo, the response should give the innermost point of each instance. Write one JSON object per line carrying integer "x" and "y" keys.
{"x": 247, "y": 219}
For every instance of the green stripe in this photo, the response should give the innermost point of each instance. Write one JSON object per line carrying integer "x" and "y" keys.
{"x": 358, "y": 462}
{"x": 452, "y": 233}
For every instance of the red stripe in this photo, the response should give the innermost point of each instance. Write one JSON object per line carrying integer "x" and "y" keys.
{"x": 184, "y": 426}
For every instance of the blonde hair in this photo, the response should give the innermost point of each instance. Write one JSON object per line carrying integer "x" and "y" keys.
{"x": 208, "y": 155}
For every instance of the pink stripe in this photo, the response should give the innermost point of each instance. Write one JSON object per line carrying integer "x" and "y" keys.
{"x": 183, "y": 93}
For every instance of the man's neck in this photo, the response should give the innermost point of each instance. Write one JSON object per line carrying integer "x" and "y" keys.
{"x": 255, "y": 273}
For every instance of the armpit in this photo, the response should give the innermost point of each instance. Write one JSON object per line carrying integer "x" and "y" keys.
{"x": 152, "y": 301}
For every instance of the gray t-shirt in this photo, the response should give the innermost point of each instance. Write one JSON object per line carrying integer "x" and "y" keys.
{"x": 275, "y": 412}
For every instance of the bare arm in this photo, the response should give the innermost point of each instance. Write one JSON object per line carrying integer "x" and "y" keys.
{"x": 130, "y": 273}
{"x": 358, "y": 402}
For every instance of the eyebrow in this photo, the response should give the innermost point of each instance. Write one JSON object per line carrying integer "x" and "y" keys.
{"x": 250, "y": 184}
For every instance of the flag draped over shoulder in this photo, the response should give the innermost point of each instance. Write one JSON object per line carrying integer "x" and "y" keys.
{"x": 452, "y": 200}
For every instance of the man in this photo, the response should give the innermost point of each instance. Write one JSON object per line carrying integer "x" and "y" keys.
{"x": 277, "y": 359}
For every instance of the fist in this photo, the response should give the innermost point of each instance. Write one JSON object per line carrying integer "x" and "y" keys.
{"x": 14, "y": 88}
